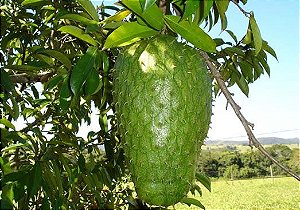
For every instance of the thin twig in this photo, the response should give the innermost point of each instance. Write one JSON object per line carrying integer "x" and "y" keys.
{"x": 247, "y": 14}
{"x": 246, "y": 124}
{"x": 26, "y": 78}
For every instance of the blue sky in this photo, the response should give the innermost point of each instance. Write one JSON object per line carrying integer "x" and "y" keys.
{"x": 273, "y": 103}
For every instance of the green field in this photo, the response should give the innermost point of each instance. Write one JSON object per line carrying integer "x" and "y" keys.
{"x": 268, "y": 193}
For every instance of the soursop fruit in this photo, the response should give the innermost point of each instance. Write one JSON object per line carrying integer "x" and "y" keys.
{"x": 163, "y": 95}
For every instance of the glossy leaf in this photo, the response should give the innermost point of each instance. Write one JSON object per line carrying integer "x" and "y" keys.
{"x": 191, "y": 33}
{"x": 59, "y": 56}
{"x": 256, "y": 35}
{"x": 82, "y": 69}
{"x": 248, "y": 37}
{"x": 192, "y": 201}
{"x": 119, "y": 16}
{"x": 79, "y": 18}
{"x": 54, "y": 81}
{"x": 127, "y": 34}
{"x": 190, "y": 8}
{"x": 222, "y": 8}
{"x": 263, "y": 62}
{"x": 7, "y": 195}
{"x": 77, "y": 32}
{"x": 153, "y": 15}
{"x": 145, "y": 4}
{"x": 204, "y": 180}
{"x": 7, "y": 123}
{"x": 89, "y": 8}
{"x": 93, "y": 83}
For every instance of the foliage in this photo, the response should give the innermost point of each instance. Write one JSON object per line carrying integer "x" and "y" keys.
{"x": 56, "y": 70}
{"x": 236, "y": 164}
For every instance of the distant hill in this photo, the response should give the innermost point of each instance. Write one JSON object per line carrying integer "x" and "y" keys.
{"x": 264, "y": 141}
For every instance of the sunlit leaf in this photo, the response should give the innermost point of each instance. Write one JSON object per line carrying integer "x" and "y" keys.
{"x": 204, "y": 180}
{"x": 233, "y": 36}
{"x": 145, "y": 4}
{"x": 191, "y": 33}
{"x": 59, "y": 56}
{"x": 190, "y": 7}
{"x": 89, "y": 8}
{"x": 269, "y": 49}
{"x": 256, "y": 35}
{"x": 153, "y": 15}
{"x": 77, "y": 32}
{"x": 127, "y": 34}
{"x": 28, "y": 2}
{"x": 119, "y": 16}
{"x": 192, "y": 201}
{"x": 79, "y": 18}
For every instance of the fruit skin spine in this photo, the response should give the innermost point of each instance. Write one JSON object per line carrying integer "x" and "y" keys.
{"x": 162, "y": 94}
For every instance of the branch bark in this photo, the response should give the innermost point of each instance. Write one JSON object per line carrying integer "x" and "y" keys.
{"x": 26, "y": 78}
{"x": 244, "y": 121}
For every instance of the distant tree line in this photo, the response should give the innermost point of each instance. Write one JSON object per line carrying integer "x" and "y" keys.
{"x": 231, "y": 163}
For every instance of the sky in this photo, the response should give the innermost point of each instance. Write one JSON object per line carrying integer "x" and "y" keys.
{"x": 273, "y": 102}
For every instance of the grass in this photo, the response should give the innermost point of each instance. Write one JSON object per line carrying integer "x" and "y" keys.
{"x": 254, "y": 194}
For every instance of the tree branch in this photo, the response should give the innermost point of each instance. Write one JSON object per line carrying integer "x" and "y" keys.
{"x": 26, "y": 78}
{"x": 247, "y": 14}
{"x": 246, "y": 124}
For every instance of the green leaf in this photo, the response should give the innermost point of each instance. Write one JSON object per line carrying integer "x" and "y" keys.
{"x": 269, "y": 49}
{"x": 77, "y": 32}
{"x": 79, "y": 18}
{"x": 248, "y": 37}
{"x": 192, "y": 201}
{"x": 5, "y": 81}
{"x": 65, "y": 95}
{"x": 222, "y": 8}
{"x": 89, "y": 8}
{"x": 153, "y": 15}
{"x": 119, "y": 16}
{"x": 204, "y": 180}
{"x": 263, "y": 61}
{"x": 247, "y": 70}
{"x": 7, "y": 123}
{"x": 233, "y": 36}
{"x": 93, "y": 83}
{"x": 256, "y": 35}
{"x": 59, "y": 56}
{"x": 127, "y": 34}
{"x": 190, "y": 7}
{"x": 145, "y": 4}
{"x": 36, "y": 177}
{"x": 243, "y": 85}
{"x": 205, "y": 7}
{"x": 191, "y": 33}
{"x": 82, "y": 69}
{"x": 7, "y": 194}
{"x": 49, "y": 85}
{"x": 27, "y": 2}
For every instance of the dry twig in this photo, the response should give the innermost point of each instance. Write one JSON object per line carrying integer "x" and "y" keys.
{"x": 248, "y": 126}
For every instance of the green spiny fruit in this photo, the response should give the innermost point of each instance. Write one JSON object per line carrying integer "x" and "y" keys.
{"x": 162, "y": 92}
